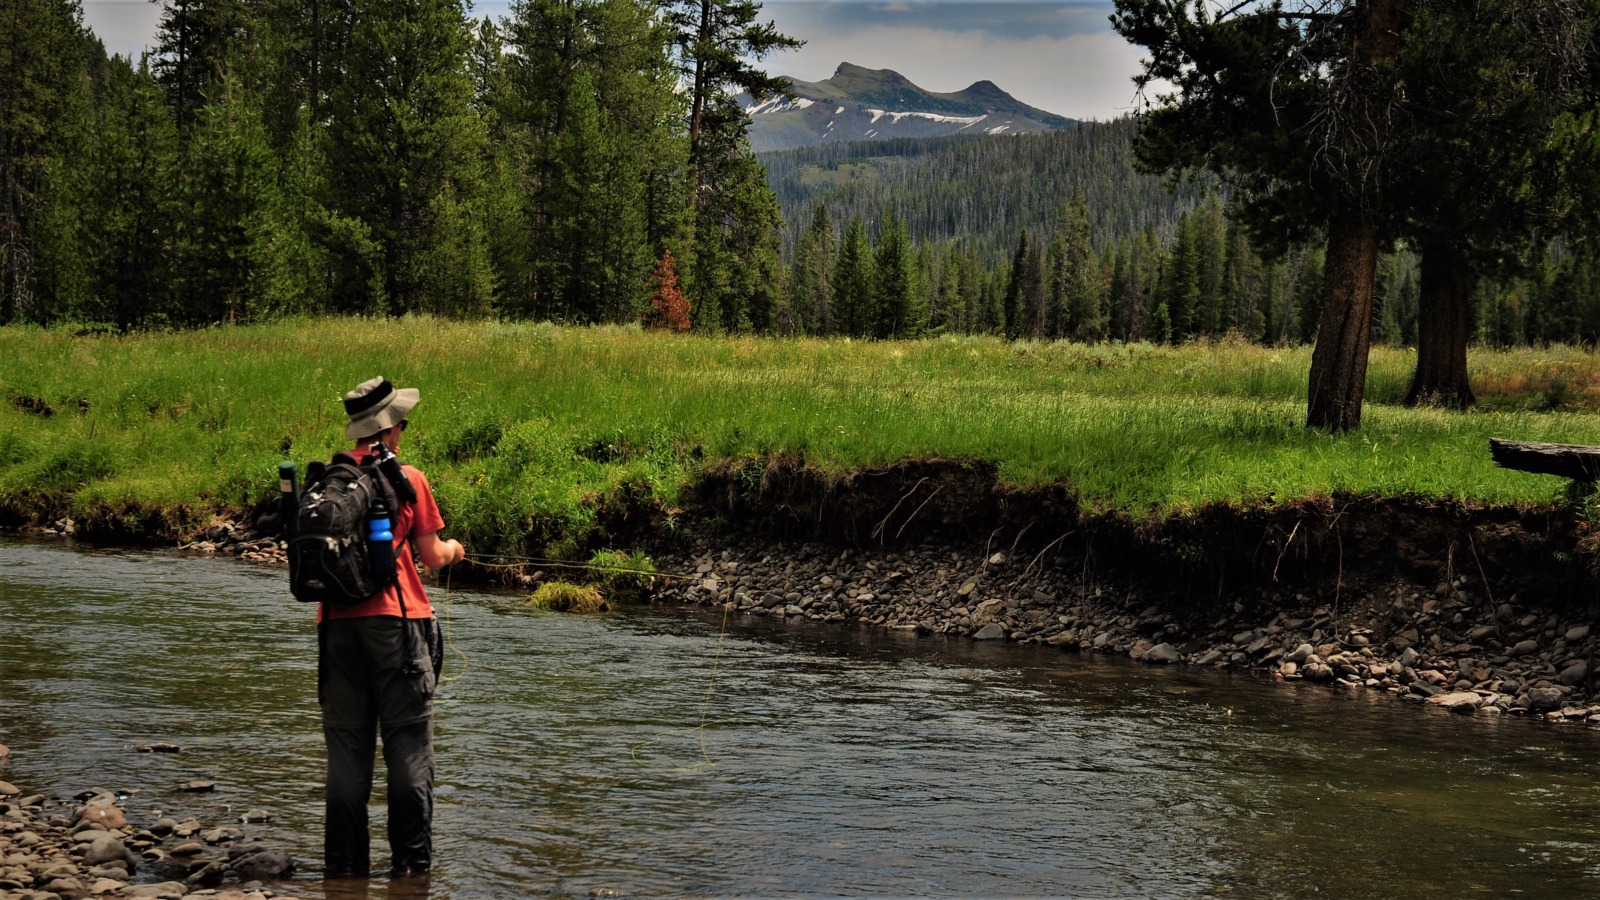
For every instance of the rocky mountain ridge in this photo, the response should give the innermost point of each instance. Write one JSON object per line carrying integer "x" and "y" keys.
{"x": 861, "y": 104}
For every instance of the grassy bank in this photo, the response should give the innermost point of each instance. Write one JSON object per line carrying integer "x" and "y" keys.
{"x": 531, "y": 433}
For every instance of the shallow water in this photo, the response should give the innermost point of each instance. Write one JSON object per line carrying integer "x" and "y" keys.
{"x": 835, "y": 760}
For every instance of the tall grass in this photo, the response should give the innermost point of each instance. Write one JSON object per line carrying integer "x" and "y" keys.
{"x": 527, "y": 431}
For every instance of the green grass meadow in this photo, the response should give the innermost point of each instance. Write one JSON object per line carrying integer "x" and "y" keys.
{"x": 527, "y": 430}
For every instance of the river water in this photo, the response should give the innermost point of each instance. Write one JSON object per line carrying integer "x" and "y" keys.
{"x": 833, "y": 760}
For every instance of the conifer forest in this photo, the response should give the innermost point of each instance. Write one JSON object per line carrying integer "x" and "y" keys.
{"x": 585, "y": 161}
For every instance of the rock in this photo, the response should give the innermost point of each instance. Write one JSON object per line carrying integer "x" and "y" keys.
{"x": 188, "y": 827}
{"x": 219, "y": 835}
{"x": 1574, "y": 674}
{"x": 66, "y": 887}
{"x": 1465, "y": 702}
{"x": 256, "y": 815}
{"x": 1211, "y": 658}
{"x": 105, "y": 886}
{"x": 1544, "y": 698}
{"x": 1523, "y": 648}
{"x": 1289, "y": 669}
{"x": 990, "y": 632}
{"x": 158, "y": 748}
{"x": 190, "y": 849}
{"x": 1577, "y": 632}
{"x": 267, "y": 865}
{"x": 7, "y": 789}
{"x": 167, "y": 890}
{"x": 109, "y": 849}
{"x": 210, "y": 875}
{"x": 1163, "y": 654}
{"x": 1482, "y": 633}
{"x": 197, "y": 787}
{"x": 163, "y": 826}
{"x": 1409, "y": 657}
{"x": 1318, "y": 672}
{"x": 988, "y": 611}
{"x": 1300, "y": 654}
{"x": 104, "y": 816}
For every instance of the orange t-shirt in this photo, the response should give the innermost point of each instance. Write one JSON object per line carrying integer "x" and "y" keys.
{"x": 405, "y": 598}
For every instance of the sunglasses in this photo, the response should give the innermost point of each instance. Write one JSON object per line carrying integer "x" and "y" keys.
{"x": 403, "y": 424}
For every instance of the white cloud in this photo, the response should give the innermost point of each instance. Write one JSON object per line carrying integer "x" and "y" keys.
{"x": 127, "y": 27}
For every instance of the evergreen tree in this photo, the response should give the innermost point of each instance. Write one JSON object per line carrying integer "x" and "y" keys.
{"x": 852, "y": 282}
{"x": 892, "y": 305}
{"x": 1082, "y": 287}
{"x": 224, "y": 232}
{"x": 1011, "y": 318}
{"x": 133, "y": 163}
{"x": 42, "y": 64}
{"x": 197, "y": 42}
{"x": 404, "y": 149}
{"x": 812, "y": 282}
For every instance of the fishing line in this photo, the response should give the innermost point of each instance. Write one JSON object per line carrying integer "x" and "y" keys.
{"x": 705, "y": 710}
{"x": 519, "y": 562}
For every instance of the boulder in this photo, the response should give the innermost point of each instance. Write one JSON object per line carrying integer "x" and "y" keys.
{"x": 1163, "y": 654}
{"x": 109, "y": 849}
{"x": 1465, "y": 702}
{"x": 990, "y": 632}
{"x": 265, "y": 865}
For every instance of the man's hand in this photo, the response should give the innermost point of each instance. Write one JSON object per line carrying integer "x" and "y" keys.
{"x": 437, "y": 554}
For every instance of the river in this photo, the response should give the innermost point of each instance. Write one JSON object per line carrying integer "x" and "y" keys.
{"x": 832, "y": 760}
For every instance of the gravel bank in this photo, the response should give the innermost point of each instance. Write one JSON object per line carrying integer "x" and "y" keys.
{"x": 1448, "y": 644}
{"x": 63, "y": 849}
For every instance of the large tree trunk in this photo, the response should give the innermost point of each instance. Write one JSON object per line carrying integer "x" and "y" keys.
{"x": 1444, "y": 322}
{"x": 1339, "y": 362}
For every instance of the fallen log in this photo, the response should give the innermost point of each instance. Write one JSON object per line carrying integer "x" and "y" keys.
{"x": 1576, "y": 461}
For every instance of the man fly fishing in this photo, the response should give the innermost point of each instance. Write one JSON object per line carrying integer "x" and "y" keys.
{"x": 378, "y": 657}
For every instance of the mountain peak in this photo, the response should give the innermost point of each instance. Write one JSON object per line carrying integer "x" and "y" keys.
{"x": 859, "y": 103}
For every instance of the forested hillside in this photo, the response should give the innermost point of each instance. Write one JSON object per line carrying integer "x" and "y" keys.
{"x": 982, "y": 192}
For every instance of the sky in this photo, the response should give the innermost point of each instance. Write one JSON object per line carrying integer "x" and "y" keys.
{"x": 1059, "y": 57}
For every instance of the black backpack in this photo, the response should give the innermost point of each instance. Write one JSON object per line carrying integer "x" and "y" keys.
{"x": 330, "y": 559}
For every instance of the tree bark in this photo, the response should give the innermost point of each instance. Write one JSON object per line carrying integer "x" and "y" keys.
{"x": 1444, "y": 323}
{"x": 1344, "y": 335}
{"x": 1339, "y": 361}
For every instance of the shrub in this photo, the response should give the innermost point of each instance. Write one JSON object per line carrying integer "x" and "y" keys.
{"x": 626, "y": 576}
{"x": 560, "y": 596}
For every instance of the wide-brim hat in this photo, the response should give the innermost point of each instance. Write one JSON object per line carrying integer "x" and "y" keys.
{"x": 377, "y": 405}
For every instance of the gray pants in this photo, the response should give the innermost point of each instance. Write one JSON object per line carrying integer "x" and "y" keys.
{"x": 377, "y": 673}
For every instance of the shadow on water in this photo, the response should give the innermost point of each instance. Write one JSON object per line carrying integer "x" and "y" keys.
{"x": 582, "y": 754}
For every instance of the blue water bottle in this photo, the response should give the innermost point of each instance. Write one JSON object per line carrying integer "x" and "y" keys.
{"x": 380, "y": 541}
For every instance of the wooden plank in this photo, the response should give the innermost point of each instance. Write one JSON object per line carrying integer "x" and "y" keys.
{"x": 1576, "y": 461}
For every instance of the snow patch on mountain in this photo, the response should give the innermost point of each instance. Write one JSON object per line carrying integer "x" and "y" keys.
{"x": 895, "y": 117}
{"x": 778, "y": 104}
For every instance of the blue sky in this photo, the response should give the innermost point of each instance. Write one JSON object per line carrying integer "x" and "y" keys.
{"x": 1061, "y": 57}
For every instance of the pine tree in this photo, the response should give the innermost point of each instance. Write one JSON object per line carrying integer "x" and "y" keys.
{"x": 812, "y": 281}
{"x": 42, "y": 64}
{"x": 225, "y": 232}
{"x": 133, "y": 163}
{"x": 892, "y": 282}
{"x": 852, "y": 282}
{"x": 404, "y": 149}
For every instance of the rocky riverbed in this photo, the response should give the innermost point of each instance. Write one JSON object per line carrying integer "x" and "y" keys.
{"x": 54, "y": 848}
{"x": 1448, "y": 644}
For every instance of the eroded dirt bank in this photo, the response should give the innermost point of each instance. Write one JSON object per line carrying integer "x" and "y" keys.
{"x": 1480, "y": 610}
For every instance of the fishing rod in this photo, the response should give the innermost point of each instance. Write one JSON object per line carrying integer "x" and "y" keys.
{"x": 561, "y": 563}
